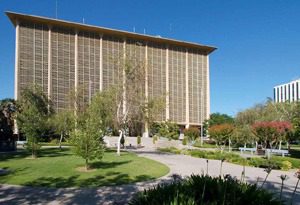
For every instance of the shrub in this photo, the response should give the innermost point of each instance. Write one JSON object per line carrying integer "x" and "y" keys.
{"x": 154, "y": 139}
{"x": 54, "y": 141}
{"x": 264, "y": 163}
{"x": 166, "y": 129}
{"x": 192, "y": 133}
{"x": 202, "y": 189}
{"x": 286, "y": 165}
{"x": 138, "y": 140}
{"x": 184, "y": 141}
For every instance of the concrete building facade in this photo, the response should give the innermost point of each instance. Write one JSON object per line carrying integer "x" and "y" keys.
{"x": 289, "y": 92}
{"x": 60, "y": 56}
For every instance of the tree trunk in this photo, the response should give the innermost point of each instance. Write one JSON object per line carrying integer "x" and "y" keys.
{"x": 32, "y": 150}
{"x": 119, "y": 142}
{"x": 146, "y": 127}
{"x": 229, "y": 143}
{"x": 280, "y": 145}
{"x": 60, "y": 140}
{"x": 86, "y": 164}
{"x": 245, "y": 145}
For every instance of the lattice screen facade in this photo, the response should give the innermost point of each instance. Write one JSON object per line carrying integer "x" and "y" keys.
{"x": 62, "y": 67}
{"x": 33, "y": 55}
{"x": 97, "y": 58}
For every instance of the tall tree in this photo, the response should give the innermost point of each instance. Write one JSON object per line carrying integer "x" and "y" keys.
{"x": 218, "y": 119}
{"x": 7, "y": 111}
{"x": 34, "y": 110}
{"x": 87, "y": 138}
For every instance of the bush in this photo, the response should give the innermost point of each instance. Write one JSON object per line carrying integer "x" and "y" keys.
{"x": 166, "y": 129}
{"x": 192, "y": 133}
{"x": 264, "y": 163}
{"x": 202, "y": 189}
{"x": 274, "y": 162}
{"x": 184, "y": 141}
{"x": 286, "y": 165}
{"x": 154, "y": 139}
{"x": 54, "y": 141}
{"x": 138, "y": 140}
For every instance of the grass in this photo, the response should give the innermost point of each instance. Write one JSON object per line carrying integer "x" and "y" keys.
{"x": 57, "y": 168}
{"x": 54, "y": 144}
{"x": 277, "y": 162}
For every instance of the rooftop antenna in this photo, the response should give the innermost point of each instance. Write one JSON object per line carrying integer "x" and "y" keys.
{"x": 144, "y": 31}
{"x": 83, "y": 20}
{"x": 56, "y": 9}
{"x": 134, "y": 29}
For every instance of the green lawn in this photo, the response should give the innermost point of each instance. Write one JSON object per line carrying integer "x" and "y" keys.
{"x": 55, "y": 168}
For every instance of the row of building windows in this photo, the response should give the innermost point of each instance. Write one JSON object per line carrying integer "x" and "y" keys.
{"x": 288, "y": 92}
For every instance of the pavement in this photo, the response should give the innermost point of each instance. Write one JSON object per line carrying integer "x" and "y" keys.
{"x": 179, "y": 164}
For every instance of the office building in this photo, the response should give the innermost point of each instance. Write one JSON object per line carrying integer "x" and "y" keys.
{"x": 60, "y": 56}
{"x": 287, "y": 92}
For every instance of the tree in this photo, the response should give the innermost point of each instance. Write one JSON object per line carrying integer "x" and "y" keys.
{"x": 243, "y": 134}
{"x": 270, "y": 133}
{"x": 7, "y": 111}
{"x": 221, "y": 133}
{"x": 34, "y": 110}
{"x": 218, "y": 119}
{"x": 63, "y": 123}
{"x": 87, "y": 138}
{"x": 192, "y": 133}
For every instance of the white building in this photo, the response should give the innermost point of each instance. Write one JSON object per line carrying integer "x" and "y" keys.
{"x": 287, "y": 92}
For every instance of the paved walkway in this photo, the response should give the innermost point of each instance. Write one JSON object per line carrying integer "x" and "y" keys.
{"x": 179, "y": 164}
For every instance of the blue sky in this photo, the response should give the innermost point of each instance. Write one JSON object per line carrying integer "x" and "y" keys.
{"x": 258, "y": 41}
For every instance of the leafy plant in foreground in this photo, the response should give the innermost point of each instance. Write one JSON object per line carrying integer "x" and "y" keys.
{"x": 203, "y": 189}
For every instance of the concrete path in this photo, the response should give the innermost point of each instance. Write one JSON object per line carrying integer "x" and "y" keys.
{"x": 179, "y": 164}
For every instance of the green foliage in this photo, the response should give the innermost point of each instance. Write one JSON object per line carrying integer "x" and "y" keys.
{"x": 192, "y": 134}
{"x": 286, "y": 165}
{"x": 218, "y": 119}
{"x": 201, "y": 189}
{"x": 87, "y": 145}
{"x": 184, "y": 141}
{"x": 34, "y": 111}
{"x": 221, "y": 133}
{"x": 7, "y": 113}
{"x": 138, "y": 140}
{"x": 166, "y": 129}
{"x": 154, "y": 139}
{"x": 243, "y": 135}
{"x": 269, "y": 112}
{"x": 87, "y": 138}
{"x": 63, "y": 124}
{"x": 275, "y": 162}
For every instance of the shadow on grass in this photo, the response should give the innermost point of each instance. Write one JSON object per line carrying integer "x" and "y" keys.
{"x": 44, "y": 152}
{"x": 107, "y": 165}
{"x": 295, "y": 153}
{"x": 114, "y": 178}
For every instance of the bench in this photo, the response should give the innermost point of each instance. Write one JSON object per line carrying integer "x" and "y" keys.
{"x": 244, "y": 149}
{"x": 281, "y": 152}
{"x": 21, "y": 143}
